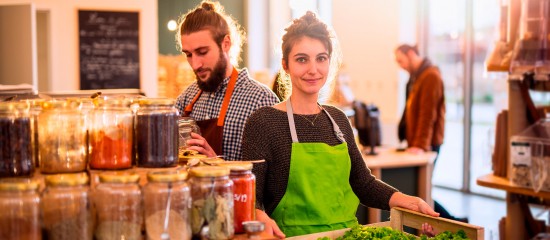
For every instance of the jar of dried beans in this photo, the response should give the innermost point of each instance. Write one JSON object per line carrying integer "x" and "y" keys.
{"x": 111, "y": 135}
{"x": 212, "y": 207}
{"x": 118, "y": 208}
{"x": 244, "y": 192}
{"x": 157, "y": 133}
{"x": 15, "y": 140}
{"x": 20, "y": 205}
{"x": 66, "y": 208}
{"x": 167, "y": 206}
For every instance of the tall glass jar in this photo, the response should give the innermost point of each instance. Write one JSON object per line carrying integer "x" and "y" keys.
{"x": 20, "y": 205}
{"x": 167, "y": 206}
{"x": 66, "y": 208}
{"x": 244, "y": 192}
{"x": 186, "y": 126}
{"x": 212, "y": 207}
{"x": 15, "y": 140}
{"x": 157, "y": 133}
{"x": 118, "y": 208}
{"x": 110, "y": 135}
{"x": 62, "y": 137}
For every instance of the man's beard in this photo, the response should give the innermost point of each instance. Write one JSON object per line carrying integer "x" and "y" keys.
{"x": 216, "y": 76}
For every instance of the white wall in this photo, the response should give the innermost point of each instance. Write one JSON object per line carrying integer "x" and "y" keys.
{"x": 64, "y": 38}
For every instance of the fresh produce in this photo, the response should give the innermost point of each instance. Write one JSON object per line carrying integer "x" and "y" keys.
{"x": 386, "y": 233}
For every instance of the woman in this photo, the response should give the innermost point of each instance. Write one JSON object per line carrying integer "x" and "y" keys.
{"x": 314, "y": 176}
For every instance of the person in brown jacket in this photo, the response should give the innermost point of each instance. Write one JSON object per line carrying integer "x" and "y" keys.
{"x": 423, "y": 120}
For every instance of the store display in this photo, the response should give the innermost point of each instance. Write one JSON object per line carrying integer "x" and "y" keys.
{"x": 15, "y": 140}
{"x": 20, "y": 205}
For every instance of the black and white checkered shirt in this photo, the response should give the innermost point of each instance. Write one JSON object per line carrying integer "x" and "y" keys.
{"x": 248, "y": 96}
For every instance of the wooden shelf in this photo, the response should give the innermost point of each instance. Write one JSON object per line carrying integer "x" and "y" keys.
{"x": 501, "y": 183}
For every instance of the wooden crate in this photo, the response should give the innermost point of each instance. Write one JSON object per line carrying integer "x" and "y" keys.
{"x": 400, "y": 217}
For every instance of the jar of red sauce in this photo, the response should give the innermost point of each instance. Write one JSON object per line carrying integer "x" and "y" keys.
{"x": 244, "y": 193}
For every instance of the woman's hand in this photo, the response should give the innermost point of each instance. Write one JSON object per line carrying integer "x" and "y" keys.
{"x": 399, "y": 199}
{"x": 415, "y": 150}
{"x": 271, "y": 227}
{"x": 199, "y": 144}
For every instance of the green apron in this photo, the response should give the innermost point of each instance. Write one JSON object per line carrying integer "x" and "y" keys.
{"x": 318, "y": 196}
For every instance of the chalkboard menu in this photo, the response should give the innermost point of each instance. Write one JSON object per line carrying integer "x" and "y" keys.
{"x": 109, "y": 49}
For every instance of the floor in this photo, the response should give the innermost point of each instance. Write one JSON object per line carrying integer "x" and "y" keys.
{"x": 481, "y": 211}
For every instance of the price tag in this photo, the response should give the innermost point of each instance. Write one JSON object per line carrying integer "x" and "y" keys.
{"x": 521, "y": 153}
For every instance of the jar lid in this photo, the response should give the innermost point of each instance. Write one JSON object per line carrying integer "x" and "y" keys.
{"x": 113, "y": 102}
{"x": 13, "y": 106}
{"x": 156, "y": 101}
{"x": 67, "y": 179}
{"x": 166, "y": 176}
{"x": 237, "y": 166}
{"x": 57, "y": 104}
{"x": 209, "y": 171}
{"x": 118, "y": 177}
{"x": 18, "y": 185}
{"x": 212, "y": 161}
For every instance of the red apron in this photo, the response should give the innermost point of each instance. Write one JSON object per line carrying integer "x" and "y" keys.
{"x": 212, "y": 129}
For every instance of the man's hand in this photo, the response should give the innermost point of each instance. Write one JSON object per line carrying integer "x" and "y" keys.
{"x": 199, "y": 144}
{"x": 271, "y": 227}
{"x": 415, "y": 150}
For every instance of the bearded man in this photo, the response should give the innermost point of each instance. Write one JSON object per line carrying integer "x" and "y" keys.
{"x": 223, "y": 97}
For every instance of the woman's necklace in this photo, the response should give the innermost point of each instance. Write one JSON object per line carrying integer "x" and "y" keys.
{"x": 315, "y": 118}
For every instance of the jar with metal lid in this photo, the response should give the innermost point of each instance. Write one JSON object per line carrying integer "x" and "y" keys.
{"x": 62, "y": 137}
{"x": 66, "y": 207}
{"x": 20, "y": 205}
{"x": 15, "y": 140}
{"x": 118, "y": 207}
{"x": 244, "y": 192}
{"x": 186, "y": 126}
{"x": 167, "y": 206}
{"x": 212, "y": 207}
{"x": 111, "y": 135}
{"x": 157, "y": 133}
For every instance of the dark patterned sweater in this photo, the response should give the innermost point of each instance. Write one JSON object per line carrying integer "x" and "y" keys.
{"x": 267, "y": 136}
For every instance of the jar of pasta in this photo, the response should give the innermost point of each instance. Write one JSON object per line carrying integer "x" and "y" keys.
{"x": 15, "y": 140}
{"x": 118, "y": 208}
{"x": 244, "y": 192}
{"x": 111, "y": 135}
{"x": 62, "y": 137}
{"x": 157, "y": 133}
{"x": 212, "y": 206}
{"x": 20, "y": 205}
{"x": 66, "y": 207}
{"x": 167, "y": 206}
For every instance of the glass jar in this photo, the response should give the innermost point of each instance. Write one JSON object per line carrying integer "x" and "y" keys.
{"x": 117, "y": 201}
{"x": 15, "y": 140}
{"x": 20, "y": 205}
{"x": 110, "y": 135}
{"x": 212, "y": 207}
{"x": 35, "y": 107}
{"x": 186, "y": 126}
{"x": 167, "y": 205}
{"x": 157, "y": 133}
{"x": 66, "y": 208}
{"x": 244, "y": 193}
{"x": 62, "y": 137}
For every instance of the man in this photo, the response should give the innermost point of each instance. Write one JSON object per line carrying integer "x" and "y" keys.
{"x": 423, "y": 120}
{"x": 222, "y": 98}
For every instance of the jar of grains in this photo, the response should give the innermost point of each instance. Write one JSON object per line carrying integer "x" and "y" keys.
{"x": 167, "y": 206}
{"x": 20, "y": 205}
{"x": 157, "y": 133}
{"x": 62, "y": 137}
{"x": 110, "y": 135}
{"x": 15, "y": 140}
{"x": 244, "y": 192}
{"x": 212, "y": 207}
{"x": 117, "y": 201}
{"x": 66, "y": 209}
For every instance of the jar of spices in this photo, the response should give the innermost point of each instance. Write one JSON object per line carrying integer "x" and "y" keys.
{"x": 66, "y": 208}
{"x": 244, "y": 192}
{"x": 15, "y": 140}
{"x": 212, "y": 207}
{"x": 157, "y": 133}
{"x": 118, "y": 208}
{"x": 110, "y": 135}
{"x": 20, "y": 205}
{"x": 62, "y": 137}
{"x": 167, "y": 206}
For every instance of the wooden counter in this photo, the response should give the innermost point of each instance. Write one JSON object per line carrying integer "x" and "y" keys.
{"x": 388, "y": 158}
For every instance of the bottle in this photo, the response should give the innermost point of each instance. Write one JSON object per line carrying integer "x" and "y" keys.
{"x": 167, "y": 206}
{"x": 66, "y": 207}
{"x": 118, "y": 208}
{"x": 15, "y": 140}
{"x": 20, "y": 205}
{"x": 111, "y": 134}
{"x": 212, "y": 206}
{"x": 157, "y": 133}
{"x": 244, "y": 193}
